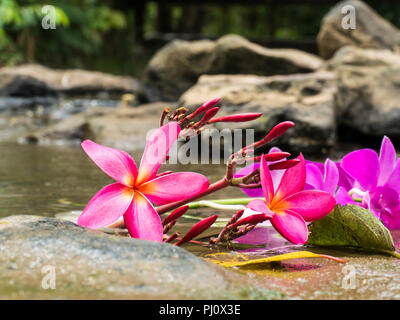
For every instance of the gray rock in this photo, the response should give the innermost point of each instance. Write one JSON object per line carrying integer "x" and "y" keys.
{"x": 372, "y": 31}
{"x": 123, "y": 128}
{"x": 177, "y": 66}
{"x": 93, "y": 265}
{"x": 368, "y": 98}
{"x": 35, "y": 80}
{"x": 307, "y": 99}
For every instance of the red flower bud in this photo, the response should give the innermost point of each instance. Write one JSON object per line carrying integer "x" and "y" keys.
{"x": 209, "y": 115}
{"x": 243, "y": 117}
{"x": 283, "y": 164}
{"x": 208, "y": 105}
{"x": 276, "y": 132}
{"x": 253, "y": 219}
{"x": 197, "y": 229}
{"x": 174, "y": 215}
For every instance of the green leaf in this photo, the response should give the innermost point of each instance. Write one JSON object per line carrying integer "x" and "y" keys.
{"x": 352, "y": 226}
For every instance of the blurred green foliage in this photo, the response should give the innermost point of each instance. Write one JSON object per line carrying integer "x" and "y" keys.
{"x": 100, "y": 34}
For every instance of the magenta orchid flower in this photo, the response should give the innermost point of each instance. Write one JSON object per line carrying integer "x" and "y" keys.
{"x": 290, "y": 205}
{"x": 377, "y": 181}
{"x": 326, "y": 177}
{"x": 135, "y": 190}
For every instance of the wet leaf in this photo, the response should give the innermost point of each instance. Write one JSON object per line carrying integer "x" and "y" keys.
{"x": 240, "y": 260}
{"x": 354, "y": 227}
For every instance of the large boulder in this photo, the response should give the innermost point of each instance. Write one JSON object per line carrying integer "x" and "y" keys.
{"x": 371, "y": 30}
{"x": 124, "y": 128}
{"x": 31, "y": 80}
{"x": 177, "y": 66}
{"x": 48, "y": 258}
{"x": 368, "y": 97}
{"x": 307, "y": 99}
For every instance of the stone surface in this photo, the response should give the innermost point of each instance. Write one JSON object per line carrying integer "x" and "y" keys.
{"x": 306, "y": 99}
{"x": 177, "y": 66}
{"x": 31, "y": 80}
{"x": 123, "y": 128}
{"x": 93, "y": 265}
{"x": 368, "y": 98}
{"x": 372, "y": 31}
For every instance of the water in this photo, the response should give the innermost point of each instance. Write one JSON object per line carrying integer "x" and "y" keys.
{"x": 44, "y": 180}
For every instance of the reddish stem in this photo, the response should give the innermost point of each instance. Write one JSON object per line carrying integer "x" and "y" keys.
{"x": 212, "y": 188}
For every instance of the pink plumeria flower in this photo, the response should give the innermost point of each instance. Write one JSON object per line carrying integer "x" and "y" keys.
{"x": 135, "y": 190}
{"x": 290, "y": 205}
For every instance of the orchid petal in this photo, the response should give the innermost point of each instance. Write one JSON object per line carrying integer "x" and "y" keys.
{"x": 387, "y": 160}
{"x": 314, "y": 176}
{"x": 173, "y": 187}
{"x": 342, "y": 197}
{"x": 293, "y": 180}
{"x": 363, "y": 165}
{"x": 311, "y": 204}
{"x": 345, "y": 180}
{"x": 394, "y": 178}
{"x": 291, "y": 226}
{"x": 331, "y": 177}
{"x": 266, "y": 181}
{"x": 106, "y": 207}
{"x": 251, "y": 192}
{"x": 157, "y": 147}
{"x": 118, "y": 164}
{"x": 142, "y": 220}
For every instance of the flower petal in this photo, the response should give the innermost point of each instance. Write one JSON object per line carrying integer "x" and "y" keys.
{"x": 251, "y": 192}
{"x": 142, "y": 220}
{"x": 394, "y": 178}
{"x": 157, "y": 147}
{"x": 293, "y": 180}
{"x": 291, "y": 226}
{"x": 387, "y": 160}
{"x": 363, "y": 165}
{"x": 258, "y": 205}
{"x": 331, "y": 178}
{"x": 314, "y": 176}
{"x": 106, "y": 207}
{"x": 266, "y": 181}
{"x": 311, "y": 204}
{"x": 342, "y": 197}
{"x": 174, "y": 187}
{"x": 118, "y": 164}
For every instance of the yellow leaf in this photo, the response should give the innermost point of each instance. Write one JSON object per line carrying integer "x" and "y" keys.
{"x": 241, "y": 260}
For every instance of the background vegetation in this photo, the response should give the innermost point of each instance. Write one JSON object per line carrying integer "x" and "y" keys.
{"x": 103, "y": 35}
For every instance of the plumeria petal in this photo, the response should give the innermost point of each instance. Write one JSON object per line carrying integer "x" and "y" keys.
{"x": 387, "y": 160}
{"x": 174, "y": 187}
{"x": 106, "y": 207}
{"x": 362, "y": 165}
{"x": 118, "y": 164}
{"x": 266, "y": 181}
{"x": 157, "y": 147}
{"x": 258, "y": 205}
{"x": 142, "y": 220}
{"x": 311, "y": 204}
{"x": 293, "y": 180}
{"x": 331, "y": 178}
{"x": 291, "y": 226}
